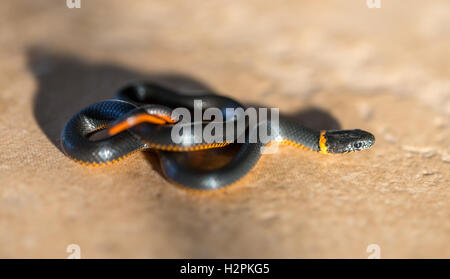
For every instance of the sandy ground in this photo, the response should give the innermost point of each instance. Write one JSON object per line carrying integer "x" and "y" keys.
{"x": 331, "y": 63}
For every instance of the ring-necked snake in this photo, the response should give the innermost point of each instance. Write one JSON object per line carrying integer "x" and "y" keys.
{"x": 141, "y": 118}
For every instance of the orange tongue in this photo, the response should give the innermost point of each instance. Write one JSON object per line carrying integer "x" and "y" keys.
{"x": 137, "y": 119}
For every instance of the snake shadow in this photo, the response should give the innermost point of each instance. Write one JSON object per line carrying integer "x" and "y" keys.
{"x": 66, "y": 84}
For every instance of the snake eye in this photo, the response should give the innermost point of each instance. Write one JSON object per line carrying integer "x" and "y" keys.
{"x": 357, "y": 145}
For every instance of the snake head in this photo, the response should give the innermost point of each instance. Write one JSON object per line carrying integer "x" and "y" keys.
{"x": 344, "y": 141}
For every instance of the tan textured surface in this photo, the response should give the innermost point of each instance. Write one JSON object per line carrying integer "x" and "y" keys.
{"x": 385, "y": 70}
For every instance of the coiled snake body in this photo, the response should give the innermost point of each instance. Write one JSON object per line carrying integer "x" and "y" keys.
{"x": 141, "y": 118}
